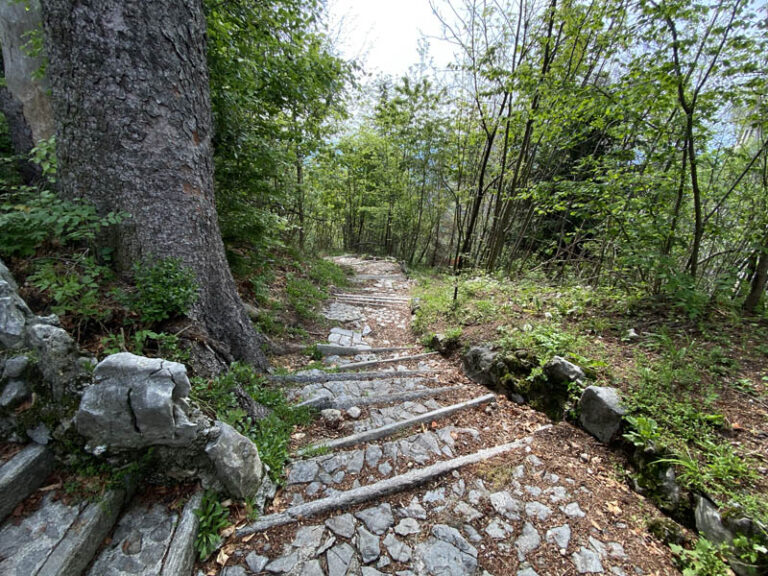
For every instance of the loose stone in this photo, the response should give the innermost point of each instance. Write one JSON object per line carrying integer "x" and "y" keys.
{"x": 343, "y": 525}
{"x": 407, "y": 526}
{"x": 255, "y": 562}
{"x": 283, "y": 564}
{"x": 528, "y": 541}
{"x": 587, "y": 562}
{"x": 573, "y": 510}
{"x": 339, "y": 558}
{"x": 505, "y": 505}
{"x": 398, "y": 550}
{"x": 559, "y": 536}
{"x": 537, "y": 510}
{"x": 378, "y": 518}
{"x": 368, "y": 545}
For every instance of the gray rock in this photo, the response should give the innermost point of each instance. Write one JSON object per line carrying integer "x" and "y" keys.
{"x": 505, "y": 505}
{"x": 413, "y": 510}
{"x": 369, "y": 571}
{"x": 385, "y": 468}
{"x": 472, "y": 534}
{"x": 467, "y": 512}
{"x": 377, "y": 519}
{"x": 433, "y": 496}
{"x": 368, "y": 545}
{"x": 527, "y": 571}
{"x": 484, "y": 366}
{"x": 40, "y": 434}
{"x": 586, "y": 561}
{"x": 560, "y": 536}
{"x": 312, "y": 568}
{"x": 283, "y": 563}
{"x": 453, "y": 537}
{"x": 343, "y": 525}
{"x": 601, "y": 412}
{"x": 303, "y": 471}
{"x": 537, "y": 510}
{"x": 559, "y": 370}
{"x": 331, "y": 415}
{"x": 436, "y": 557}
{"x": 255, "y": 562}
{"x": 308, "y": 537}
{"x": 339, "y": 558}
{"x": 236, "y": 461}
{"x": 709, "y": 522}
{"x": 573, "y": 510}
{"x": 15, "y": 393}
{"x": 234, "y": 571}
{"x": 355, "y": 462}
{"x": 13, "y": 317}
{"x": 398, "y": 550}
{"x": 354, "y": 412}
{"x": 497, "y": 529}
{"x": 136, "y": 402}
{"x": 15, "y": 367}
{"x": 407, "y": 526}
{"x": 598, "y": 547}
{"x": 528, "y": 541}
{"x": 57, "y": 357}
{"x": 372, "y": 455}
{"x": 6, "y": 276}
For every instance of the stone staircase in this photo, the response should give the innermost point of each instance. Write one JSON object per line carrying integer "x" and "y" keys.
{"x": 60, "y": 538}
{"x": 392, "y": 425}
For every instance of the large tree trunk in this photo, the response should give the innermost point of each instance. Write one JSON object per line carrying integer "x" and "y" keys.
{"x": 131, "y": 101}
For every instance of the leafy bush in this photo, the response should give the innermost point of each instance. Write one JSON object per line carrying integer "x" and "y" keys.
{"x": 74, "y": 286}
{"x": 164, "y": 289}
{"x": 704, "y": 560}
{"x": 29, "y": 218}
{"x": 146, "y": 342}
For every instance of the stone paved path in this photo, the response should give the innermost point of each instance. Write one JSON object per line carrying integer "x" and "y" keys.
{"x": 519, "y": 513}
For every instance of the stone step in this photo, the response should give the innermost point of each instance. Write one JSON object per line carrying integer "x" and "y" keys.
{"x": 151, "y": 540}
{"x": 22, "y": 475}
{"x": 344, "y": 402}
{"x": 371, "y": 296}
{"x": 59, "y": 539}
{"x": 336, "y": 350}
{"x": 366, "y": 364}
{"x": 319, "y": 376}
{"x": 380, "y": 489}
{"x": 389, "y": 429}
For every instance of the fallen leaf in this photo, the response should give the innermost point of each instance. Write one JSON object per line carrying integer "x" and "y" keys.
{"x": 248, "y": 538}
{"x": 221, "y": 558}
{"x": 227, "y": 532}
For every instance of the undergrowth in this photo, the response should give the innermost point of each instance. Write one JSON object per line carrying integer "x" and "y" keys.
{"x": 272, "y": 435}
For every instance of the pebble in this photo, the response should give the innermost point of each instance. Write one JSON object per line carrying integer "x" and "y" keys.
{"x": 354, "y": 412}
{"x": 505, "y": 505}
{"x": 467, "y": 512}
{"x": 573, "y": 510}
{"x": 537, "y": 510}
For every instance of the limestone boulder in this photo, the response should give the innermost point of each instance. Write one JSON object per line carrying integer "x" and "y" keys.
{"x": 237, "y": 463}
{"x": 601, "y": 412}
{"x": 136, "y": 402}
{"x": 559, "y": 371}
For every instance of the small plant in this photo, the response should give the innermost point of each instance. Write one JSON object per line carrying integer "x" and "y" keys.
{"x": 164, "y": 289}
{"x": 705, "y": 559}
{"x": 644, "y": 432}
{"x": 213, "y": 519}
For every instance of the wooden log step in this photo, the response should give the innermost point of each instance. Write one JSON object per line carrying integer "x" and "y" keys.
{"x": 382, "y": 488}
{"x": 389, "y": 429}
{"x": 366, "y": 364}
{"x": 336, "y": 350}
{"x": 323, "y": 402}
{"x": 318, "y": 377}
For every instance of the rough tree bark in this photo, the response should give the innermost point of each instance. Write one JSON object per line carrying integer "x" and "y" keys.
{"x": 131, "y": 101}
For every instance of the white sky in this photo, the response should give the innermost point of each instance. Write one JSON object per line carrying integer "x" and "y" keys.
{"x": 384, "y": 34}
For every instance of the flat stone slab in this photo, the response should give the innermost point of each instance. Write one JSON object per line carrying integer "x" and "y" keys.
{"x": 22, "y": 475}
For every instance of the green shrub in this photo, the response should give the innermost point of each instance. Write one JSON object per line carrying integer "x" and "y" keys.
{"x": 164, "y": 289}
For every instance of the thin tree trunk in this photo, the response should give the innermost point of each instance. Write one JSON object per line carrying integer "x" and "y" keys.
{"x": 133, "y": 114}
